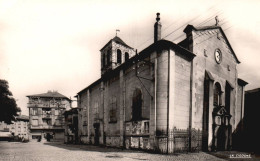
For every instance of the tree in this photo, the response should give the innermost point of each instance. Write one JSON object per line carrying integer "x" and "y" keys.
{"x": 8, "y": 106}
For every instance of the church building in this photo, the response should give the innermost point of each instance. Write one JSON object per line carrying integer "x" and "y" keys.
{"x": 168, "y": 97}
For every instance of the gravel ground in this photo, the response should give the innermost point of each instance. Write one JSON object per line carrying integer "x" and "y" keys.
{"x": 37, "y": 151}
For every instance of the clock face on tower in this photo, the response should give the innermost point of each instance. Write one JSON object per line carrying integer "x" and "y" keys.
{"x": 218, "y": 56}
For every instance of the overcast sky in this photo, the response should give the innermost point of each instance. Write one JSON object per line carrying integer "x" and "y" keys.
{"x": 54, "y": 44}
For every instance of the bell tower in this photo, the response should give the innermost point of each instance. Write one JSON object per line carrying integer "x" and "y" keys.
{"x": 115, "y": 53}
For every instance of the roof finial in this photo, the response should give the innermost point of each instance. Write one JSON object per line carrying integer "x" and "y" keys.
{"x": 117, "y": 30}
{"x": 158, "y": 17}
{"x": 217, "y": 21}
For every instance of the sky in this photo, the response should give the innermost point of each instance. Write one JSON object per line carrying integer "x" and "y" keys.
{"x": 54, "y": 44}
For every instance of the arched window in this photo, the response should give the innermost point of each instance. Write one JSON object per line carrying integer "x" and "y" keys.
{"x": 119, "y": 56}
{"x": 137, "y": 105}
{"x": 217, "y": 94}
{"x": 126, "y": 56}
{"x": 108, "y": 57}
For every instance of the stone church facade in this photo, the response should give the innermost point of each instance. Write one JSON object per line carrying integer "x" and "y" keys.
{"x": 168, "y": 97}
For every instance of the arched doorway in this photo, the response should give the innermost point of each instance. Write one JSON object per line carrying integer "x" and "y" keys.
{"x": 97, "y": 133}
{"x": 220, "y": 121}
{"x": 216, "y": 117}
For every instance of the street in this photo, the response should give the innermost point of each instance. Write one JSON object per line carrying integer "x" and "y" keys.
{"x": 38, "y": 151}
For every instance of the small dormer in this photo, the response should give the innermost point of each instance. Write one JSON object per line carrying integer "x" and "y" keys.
{"x": 115, "y": 53}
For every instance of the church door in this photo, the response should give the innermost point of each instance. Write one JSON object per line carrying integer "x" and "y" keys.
{"x": 96, "y": 137}
{"x": 221, "y": 120}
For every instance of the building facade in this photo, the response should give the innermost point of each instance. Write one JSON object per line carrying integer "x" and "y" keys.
{"x": 18, "y": 130}
{"x": 71, "y": 126}
{"x": 248, "y": 131}
{"x": 46, "y": 115}
{"x": 5, "y": 134}
{"x": 168, "y": 97}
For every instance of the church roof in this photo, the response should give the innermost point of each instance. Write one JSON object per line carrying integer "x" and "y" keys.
{"x": 159, "y": 45}
{"x": 117, "y": 40}
{"x": 204, "y": 27}
{"x": 165, "y": 44}
{"x": 49, "y": 94}
{"x": 191, "y": 27}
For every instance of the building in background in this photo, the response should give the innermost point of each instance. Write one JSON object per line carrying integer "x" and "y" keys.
{"x": 5, "y": 134}
{"x": 46, "y": 115}
{"x": 248, "y": 132}
{"x": 18, "y": 130}
{"x": 168, "y": 97}
{"x": 71, "y": 126}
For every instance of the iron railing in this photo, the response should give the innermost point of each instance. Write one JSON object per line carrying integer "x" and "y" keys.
{"x": 180, "y": 140}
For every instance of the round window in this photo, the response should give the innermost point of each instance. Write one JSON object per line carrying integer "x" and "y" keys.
{"x": 218, "y": 56}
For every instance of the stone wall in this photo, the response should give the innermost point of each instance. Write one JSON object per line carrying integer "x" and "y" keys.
{"x": 83, "y": 117}
{"x": 114, "y": 92}
{"x": 204, "y": 45}
{"x": 172, "y": 93}
{"x": 182, "y": 92}
{"x": 239, "y": 110}
{"x": 162, "y": 92}
{"x": 112, "y": 97}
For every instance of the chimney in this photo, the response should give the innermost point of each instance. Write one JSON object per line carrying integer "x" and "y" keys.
{"x": 157, "y": 28}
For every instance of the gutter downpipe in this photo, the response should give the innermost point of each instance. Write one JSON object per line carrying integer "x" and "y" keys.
{"x": 190, "y": 119}
{"x": 168, "y": 99}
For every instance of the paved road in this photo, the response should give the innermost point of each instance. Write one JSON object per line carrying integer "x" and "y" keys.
{"x": 35, "y": 151}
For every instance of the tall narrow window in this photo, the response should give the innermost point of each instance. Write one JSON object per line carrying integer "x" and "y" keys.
{"x": 34, "y": 111}
{"x": 126, "y": 56}
{"x": 108, "y": 57}
{"x": 113, "y": 108}
{"x": 104, "y": 60}
{"x": 137, "y": 105}
{"x": 217, "y": 94}
{"x": 119, "y": 56}
{"x": 95, "y": 110}
{"x": 57, "y": 112}
{"x": 227, "y": 97}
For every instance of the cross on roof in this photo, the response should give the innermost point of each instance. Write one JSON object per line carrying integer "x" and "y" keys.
{"x": 117, "y": 30}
